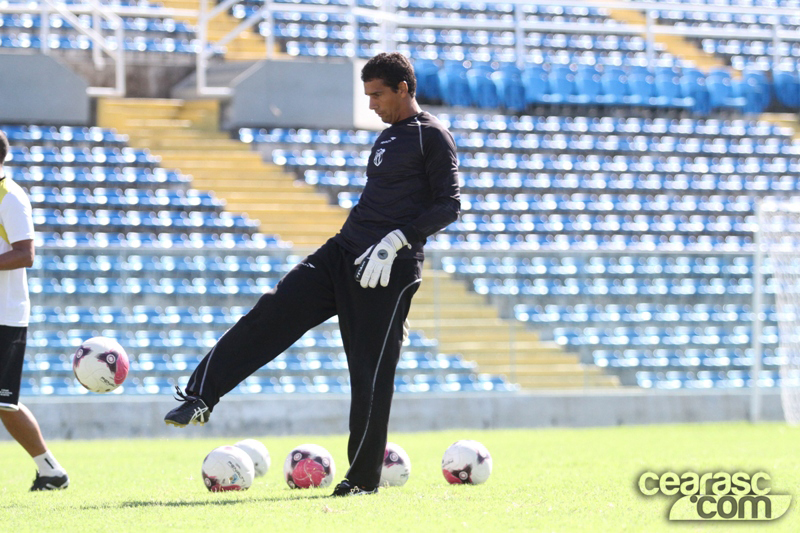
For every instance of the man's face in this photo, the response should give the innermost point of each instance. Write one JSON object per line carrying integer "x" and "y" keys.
{"x": 384, "y": 101}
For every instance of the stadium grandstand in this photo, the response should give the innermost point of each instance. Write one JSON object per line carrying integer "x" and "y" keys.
{"x": 613, "y": 157}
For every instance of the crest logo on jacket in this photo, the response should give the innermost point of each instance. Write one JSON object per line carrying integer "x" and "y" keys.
{"x": 379, "y": 156}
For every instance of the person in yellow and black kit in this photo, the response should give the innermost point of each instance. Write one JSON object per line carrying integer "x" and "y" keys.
{"x": 366, "y": 274}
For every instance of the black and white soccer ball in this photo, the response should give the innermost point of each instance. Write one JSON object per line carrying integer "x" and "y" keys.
{"x": 100, "y": 364}
{"x": 307, "y": 466}
{"x": 396, "y": 466}
{"x": 258, "y": 453}
{"x": 466, "y": 462}
{"x": 228, "y": 468}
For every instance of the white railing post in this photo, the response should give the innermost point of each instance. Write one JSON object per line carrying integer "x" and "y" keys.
{"x": 519, "y": 36}
{"x": 650, "y": 16}
{"x": 776, "y": 44}
{"x": 354, "y": 23}
{"x": 270, "y": 19}
{"x": 97, "y": 53}
{"x": 119, "y": 33}
{"x": 44, "y": 29}
{"x": 202, "y": 37}
{"x": 755, "y": 341}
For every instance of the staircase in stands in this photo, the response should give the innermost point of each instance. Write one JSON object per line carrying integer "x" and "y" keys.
{"x": 247, "y": 46}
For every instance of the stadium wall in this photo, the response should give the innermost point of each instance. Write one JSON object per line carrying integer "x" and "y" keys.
{"x": 300, "y": 94}
{"x": 93, "y": 417}
{"x": 26, "y": 99}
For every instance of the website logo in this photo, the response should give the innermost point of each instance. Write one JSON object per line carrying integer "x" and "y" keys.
{"x": 718, "y": 495}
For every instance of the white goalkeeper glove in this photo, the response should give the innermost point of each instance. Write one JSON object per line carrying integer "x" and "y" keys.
{"x": 376, "y": 262}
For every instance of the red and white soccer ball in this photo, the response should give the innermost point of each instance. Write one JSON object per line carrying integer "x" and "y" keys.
{"x": 466, "y": 462}
{"x": 100, "y": 364}
{"x": 308, "y": 466}
{"x": 396, "y": 466}
{"x": 258, "y": 453}
{"x": 228, "y": 468}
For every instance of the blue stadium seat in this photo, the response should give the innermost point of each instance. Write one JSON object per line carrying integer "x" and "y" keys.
{"x": 561, "y": 85}
{"x": 536, "y": 84}
{"x": 613, "y": 82}
{"x": 427, "y": 73}
{"x": 787, "y": 88}
{"x": 587, "y": 84}
{"x": 510, "y": 88}
{"x": 640, "y": 88}
{"x": 454, "y": 85}
{"x": 721, "y": 91}
{"x": 483, "y": 91}
{"x": 668, "y": 89}
{"x": 693, "y": 85}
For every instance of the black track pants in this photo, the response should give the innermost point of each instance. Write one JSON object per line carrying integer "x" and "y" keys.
{"x": 371, "y": 323}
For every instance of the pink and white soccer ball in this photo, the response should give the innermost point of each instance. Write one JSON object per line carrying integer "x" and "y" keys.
{"x": 466, "y": 462}
{"x": 396, "y": 466}
{"x": 258, "y": 453}
{"x": 228, "y": 468}
{"x": 100, "y": 364}
{"x": 309, "y": 465}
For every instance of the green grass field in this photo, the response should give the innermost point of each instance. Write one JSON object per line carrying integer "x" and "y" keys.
{"x": 543, "y": 480}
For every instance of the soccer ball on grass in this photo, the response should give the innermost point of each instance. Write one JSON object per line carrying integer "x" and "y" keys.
{"x": 396, "y": 466}
{"x": 309, "y": 465}
{"x": 258, "y": 453}
{"x": 466, "y": 462}
{"x": 228, "y": 468}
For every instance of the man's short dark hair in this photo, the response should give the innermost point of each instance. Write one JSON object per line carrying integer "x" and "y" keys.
{"x": 392, "y": 69}
{"x": 4, "y": 147}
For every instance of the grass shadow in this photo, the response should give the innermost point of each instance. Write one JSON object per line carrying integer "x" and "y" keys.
{"x": 183, "y": 503}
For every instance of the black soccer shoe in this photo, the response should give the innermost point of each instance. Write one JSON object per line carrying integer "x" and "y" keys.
{"x": 50, "y": 482}
{"x": 193, "y": 410}
{"x": 345, "y": 488}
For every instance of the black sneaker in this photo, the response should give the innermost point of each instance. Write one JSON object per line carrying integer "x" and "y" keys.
{"x": 193, "y": 410}
{"x": 345, "y": 488}
{"x": 50, "y": 482}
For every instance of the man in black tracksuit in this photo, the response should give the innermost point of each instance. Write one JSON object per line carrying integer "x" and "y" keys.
{"x": 366, "y": 274}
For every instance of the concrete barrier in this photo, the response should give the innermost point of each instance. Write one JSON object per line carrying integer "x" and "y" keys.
{"x": 37, "y": 89}
{"x": 93, "y": 417}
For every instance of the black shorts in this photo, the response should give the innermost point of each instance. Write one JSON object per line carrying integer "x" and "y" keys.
{"x": 12, "y": 354}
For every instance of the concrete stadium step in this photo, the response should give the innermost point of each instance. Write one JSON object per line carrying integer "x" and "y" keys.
{"x": 233, "y": 158}
{"x": 448, "y": 295}
{"x": 477, "y": 347}
{"x": 527, "y": 358}
{"x": 304, "y": 218}
{"x": 266, "y": 196}
{"x": 153, "y": 123}
{"x": 213, "y": 164}
{"x": 566, "y": 382}
{"x": 160, "y": 135}
{"x": 486, "y": 335}
{"x": 469, "y": 323}
{"x": 310, "y": 228}
{"x": 250, "y": 180}
{"x": 270, "y": 187}
{"x": 541, "y": 369}
{"x": 173, "y": 144}
{"x": 454, "y": 312}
